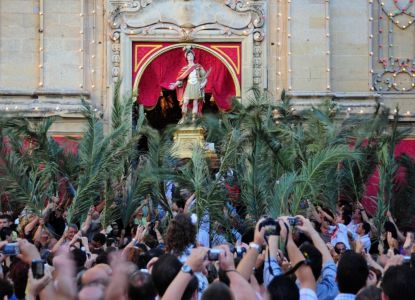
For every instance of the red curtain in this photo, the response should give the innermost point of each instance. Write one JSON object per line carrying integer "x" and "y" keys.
{"x": 164, "y": 69}
{"x": 372, "y": 185}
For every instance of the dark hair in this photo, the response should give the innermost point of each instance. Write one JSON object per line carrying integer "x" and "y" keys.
{"x": 212, "y": 273}
{"x": 259, "y": 273}
{"x": 283, "y": 288}
{"x": 99, "y": 238}
{"x": 7, "y": 217}
{"x": 79, "y": 257}
{"x": 179, "y": 202}
{"x": 366, "y": 227}
{"x": 18, "y": 274}
{"x": 145, "y": 257}
{"x": 217, "y": 290}
{"x": 352, "y": 272}
{"x": 223, "y": 277}
{"x": 180, "y": 234}
{"x": 141, "y": 286}
{"x": 150, "y": 241}
{"x": 370, "y": 293}
{"x": 190, "y": 288}
{"x": 398, "y": 283}
{"x": 5, "y": 232}
{"x": 377, "y": 272}
{"x": 314, "y": 257}
{"x": 102, "y": 258}
{"x": 6, "y": 288}
{"x": 346, "y": 218}
{"x": 164, "y": 271}
{"x": 389, "y": 227}
{"x": 328, "y": 211}
{"x": 248, "y": 235}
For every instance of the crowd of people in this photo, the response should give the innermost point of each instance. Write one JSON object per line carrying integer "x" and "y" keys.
{"x": 322, "y": 254}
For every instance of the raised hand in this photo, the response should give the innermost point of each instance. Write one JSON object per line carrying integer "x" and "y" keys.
{"x": 198, "y": 259}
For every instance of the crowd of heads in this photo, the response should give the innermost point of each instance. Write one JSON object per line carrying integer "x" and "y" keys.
{"x": 169, "y": 253}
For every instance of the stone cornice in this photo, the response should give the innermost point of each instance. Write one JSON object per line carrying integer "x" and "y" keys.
{"x": 44, "y": 92}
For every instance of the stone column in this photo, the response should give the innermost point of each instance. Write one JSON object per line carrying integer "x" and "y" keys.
{"x": 307, "y": 46}
{"x": 351, "y": 46}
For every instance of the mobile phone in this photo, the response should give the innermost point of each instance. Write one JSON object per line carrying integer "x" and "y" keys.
{"x": 11, "y": 249}
{"x": 38, "y": 268}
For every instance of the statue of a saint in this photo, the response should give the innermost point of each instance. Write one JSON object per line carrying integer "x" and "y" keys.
{"x": 190, "y": 85}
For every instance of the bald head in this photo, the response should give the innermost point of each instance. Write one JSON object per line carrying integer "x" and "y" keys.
{"x": 99, "y": 273}
{"x": 92, "y": 292}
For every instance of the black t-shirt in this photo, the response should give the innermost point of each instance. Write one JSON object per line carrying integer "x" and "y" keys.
{"x": 58, "y": 224}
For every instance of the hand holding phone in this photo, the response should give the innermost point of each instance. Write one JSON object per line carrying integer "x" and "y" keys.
{"x": 11, "y": 249}
{"x": 38, "y": 268}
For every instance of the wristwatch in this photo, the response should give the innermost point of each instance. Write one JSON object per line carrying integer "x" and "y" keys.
{"x": 255, "y": 246}
{"x": 187, "y": 269}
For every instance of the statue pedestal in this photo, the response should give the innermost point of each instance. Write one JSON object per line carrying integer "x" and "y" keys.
{"x": 186, "y": 138}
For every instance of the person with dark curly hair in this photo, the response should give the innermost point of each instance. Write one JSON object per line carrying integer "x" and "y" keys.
{"x": 181, "y": 236}
{"x": 180, "y": 240}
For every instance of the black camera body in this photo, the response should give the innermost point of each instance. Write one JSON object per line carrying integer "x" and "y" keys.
{"x": 272, "y": 227}
{"x": 213, "y": 254}
{"x": 238, "y": 250}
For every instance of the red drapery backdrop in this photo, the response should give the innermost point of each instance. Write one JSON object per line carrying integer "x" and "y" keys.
{"x": 372, "y": 185}
{"x": 164, "y": 68}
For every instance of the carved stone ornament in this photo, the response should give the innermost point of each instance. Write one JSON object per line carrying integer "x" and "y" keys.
{"x": 188, "y": 17}
{"x": 186, "y": 20}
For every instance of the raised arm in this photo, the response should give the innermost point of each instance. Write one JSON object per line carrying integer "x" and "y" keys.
{"x": 307, "y": 227}
{"x": 239, "y": 286}
{"x": 326, "y": 215}
{"x": 29, "y": 227}
{"x": 87, "y": 223}
{"x": 303, "y": 273}
{"x": 197, "y": 263}
{"x": 59, "y": 242}
{"x": 401, "y": 237}
{"x": 247, "y": 263}
{"x": 314, "y": 212}
{"x": 38, "y": 232}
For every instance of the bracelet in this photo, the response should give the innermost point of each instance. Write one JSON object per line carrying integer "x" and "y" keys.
{"x": 231, "y": 270}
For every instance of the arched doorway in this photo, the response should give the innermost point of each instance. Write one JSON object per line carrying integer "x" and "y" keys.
{"x": 152, "y": 80}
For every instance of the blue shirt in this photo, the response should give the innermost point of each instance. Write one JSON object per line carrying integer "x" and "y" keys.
{"x": 346, "y": 297}
{"x": 327, "y": 288}
{"x": 271, "y": 270}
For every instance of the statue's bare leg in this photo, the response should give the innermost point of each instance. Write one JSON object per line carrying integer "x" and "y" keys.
{"x": 184, "y": 110}
{"x": 195, "y": 109}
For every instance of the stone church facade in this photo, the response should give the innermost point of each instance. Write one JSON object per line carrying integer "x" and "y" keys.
{"x": 55, "y": 52}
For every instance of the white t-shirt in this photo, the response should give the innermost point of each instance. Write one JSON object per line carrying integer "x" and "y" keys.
{"x": 339, "y": 234}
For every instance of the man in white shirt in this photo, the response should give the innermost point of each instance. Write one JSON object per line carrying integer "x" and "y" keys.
{"x": 363, "y": 230}
{"x": 339, "y": 232}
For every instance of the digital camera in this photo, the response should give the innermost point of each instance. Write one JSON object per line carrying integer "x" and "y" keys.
{"x": 271, "y": 227}
{"x": 11, "y": 249}
{"x": 213, "y": 254}
{"x": 293, "y": 221}
{"x": 238, "y": 250}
